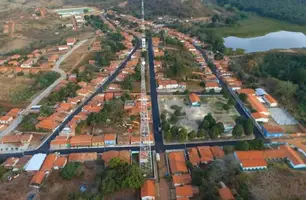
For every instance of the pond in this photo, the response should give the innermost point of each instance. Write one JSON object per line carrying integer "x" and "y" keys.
{"x": 275, "y": 40}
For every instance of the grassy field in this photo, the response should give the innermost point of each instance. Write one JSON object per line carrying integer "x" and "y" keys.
{"x": 257, "y": 26}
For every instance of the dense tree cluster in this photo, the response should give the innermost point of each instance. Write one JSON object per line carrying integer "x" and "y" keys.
{"x": 284, "y": 73}
{"x": 225, "y": 170}
{"x": 178, "y": 64}
{"x": 290, "y": 10}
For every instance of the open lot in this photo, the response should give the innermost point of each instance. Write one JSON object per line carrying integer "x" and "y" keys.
{"x": 209, "y": 104}
{"x": 11, "y": 85}
{"x": 279, "y": 182}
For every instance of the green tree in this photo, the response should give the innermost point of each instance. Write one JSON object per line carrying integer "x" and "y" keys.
{"x": 204, "y": 124}
{"x": 210, "y": 119}
{"x": 238, "y": 131}
{"x": 242, "y": 146}
{"x": 71, "y": 170}
{"x": 183, "y": 135}
{"x": 215, "y": 132}
{"x": 226, "y": 106}
{"x": 202, "y": 134}
{"x": 248, "y": 127}
{"x": 174, "y": 130}
{"x": 220, "y": 125}
{"x": 168, "y": 136}
{"x": 243, "y": 97}
{"x": 231, "y": 101}
{"x": 202, "y": 84}
{"x": 192, "y": 134}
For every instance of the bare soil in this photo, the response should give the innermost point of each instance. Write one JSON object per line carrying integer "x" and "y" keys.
{"x": 16, "y": 189}
{"x": 279, "y": 182}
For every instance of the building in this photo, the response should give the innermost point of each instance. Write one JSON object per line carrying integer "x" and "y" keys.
{"x": 273, "y": 130}
{"x": 63, "y": 47}
{"x": 6, "y": 119}
{"x": 217, "y": 152}
{"x": 212, "y": 86}
{"x": 251, "y": 160}
{"x": 60, "y": 142}
{"x": 148, "y": 190}
{"x": 194, "y": 100}
{"x": 97, "y": 141}
{"x": 35, "y": 162}
{"x": 47, "y": 165}
{"x": 246, "y": 91}
{"x": 270, "y": 100}
{"x": 205, "y": 154}
{"x": 184, "y": 191}
{"x": 177, "y": 162}
{"x": 110, "y": 139}
{"x": 226, "y": 194}
{"x": 256, "y": 160}
{"x": 80, "y": 141}
{"x": 37, "y": 179}
{"x": 193, "y": 155}
{"x": 10, "y": 162}
{"x": 60, "y": 162}
{"x": 82, "y": 157}
{"x": 257, "y": 105}
{"x": 181, "y": 179}
{"x": 70, "y": 41}
{"x": 260, "y": 117}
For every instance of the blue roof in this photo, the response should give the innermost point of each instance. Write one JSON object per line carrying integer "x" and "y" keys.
{"x": 260, "y": 92}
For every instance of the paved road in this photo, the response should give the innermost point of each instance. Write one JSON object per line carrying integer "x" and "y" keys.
{"x": 45, "y": 93}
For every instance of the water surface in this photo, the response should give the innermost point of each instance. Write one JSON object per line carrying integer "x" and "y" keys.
{"x": 275, "y": 40}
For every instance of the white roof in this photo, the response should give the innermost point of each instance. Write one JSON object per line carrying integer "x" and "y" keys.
{"x": 260, "y": 92}
{"x": 35, "y": 162}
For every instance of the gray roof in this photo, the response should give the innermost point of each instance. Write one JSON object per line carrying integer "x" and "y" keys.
{"x": 35, "y": 162}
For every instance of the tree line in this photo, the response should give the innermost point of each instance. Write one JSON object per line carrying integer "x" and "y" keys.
{"x": 289, "y": 10}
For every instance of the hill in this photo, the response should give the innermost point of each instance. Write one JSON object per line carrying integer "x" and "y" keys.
{"x": 175, "y": 8}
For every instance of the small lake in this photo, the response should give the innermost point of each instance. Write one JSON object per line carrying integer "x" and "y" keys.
{"x": 275, "y": 40}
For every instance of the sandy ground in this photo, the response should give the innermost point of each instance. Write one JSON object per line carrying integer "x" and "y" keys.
{"x": 194, "y": 115}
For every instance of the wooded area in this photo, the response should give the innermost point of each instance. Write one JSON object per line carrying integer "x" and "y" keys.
{"x": 289, "y": 10}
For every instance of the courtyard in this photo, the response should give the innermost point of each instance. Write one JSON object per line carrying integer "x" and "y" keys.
{"x": 193, "y": 115}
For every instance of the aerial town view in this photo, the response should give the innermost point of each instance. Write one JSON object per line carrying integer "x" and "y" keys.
{"x": 152, "y": 100}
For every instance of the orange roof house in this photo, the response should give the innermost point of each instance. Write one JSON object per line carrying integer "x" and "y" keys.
{"x": 97, "y": 140}
{"x": 108, "y": 155}
{"x": 81, "y": 141}
{"x": 37, "y": 179}
{"x": 47, "y": 165}
{"x": 110, "y": 139}
{"x": 82, "y": 157}
{"x": 251, "y": 160}
{"x": 193, "y": 155}
{"x": 181, "y": 179}
{"x": 257, "y": 105}
{"x": 108, "y": 96}
{"x": 270, "y": 100}
{"x": 246, "y": 91}
{"x": 205, "y": 154}
{"x": 177, "y": 162}
{"x": 184, "y": 191}
{"x": 60, "y": 162}
{"x": 148, "y": 190}
{"x": 226, "y": 194}
{"x": 217, "y": 152}
{"x": 47, "y": 124}
{"x": 194, "y": 99}
{"x": 14, "y": 112}
{"x": 59, "y": 142}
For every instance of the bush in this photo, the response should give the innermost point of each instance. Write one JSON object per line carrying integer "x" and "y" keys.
{"x": 71, "y": 170}
{"x": 226, "y": 106}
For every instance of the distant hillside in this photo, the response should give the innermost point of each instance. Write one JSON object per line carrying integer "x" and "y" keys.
{"x": 177, "y": 8}
{"x": 289, "y": 10}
